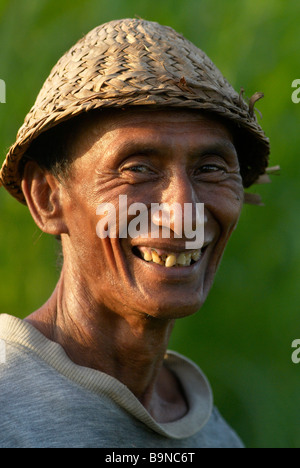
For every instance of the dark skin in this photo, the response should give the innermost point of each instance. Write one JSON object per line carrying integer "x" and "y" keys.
{"x": 111, "y": 310}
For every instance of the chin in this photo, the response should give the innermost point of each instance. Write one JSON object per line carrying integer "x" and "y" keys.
{"x": 172, "y": 306}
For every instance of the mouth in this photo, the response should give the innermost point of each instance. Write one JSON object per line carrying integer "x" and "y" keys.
{"x": 167, "y": 258}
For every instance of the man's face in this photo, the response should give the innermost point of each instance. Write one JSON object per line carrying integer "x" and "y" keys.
{"x": 151, "y": 157}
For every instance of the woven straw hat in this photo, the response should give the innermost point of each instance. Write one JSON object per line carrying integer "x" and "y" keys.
{"x": 133, "y": 62}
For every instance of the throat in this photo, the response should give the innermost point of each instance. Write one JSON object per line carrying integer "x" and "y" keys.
{"x": 168, "y": 402}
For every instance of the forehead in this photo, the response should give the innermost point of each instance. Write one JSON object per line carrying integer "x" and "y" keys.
{"x": 112, "y": 127}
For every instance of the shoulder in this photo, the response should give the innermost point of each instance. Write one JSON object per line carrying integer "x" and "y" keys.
{"x": 211, "y": 429}
{"x": 219, "y": 434}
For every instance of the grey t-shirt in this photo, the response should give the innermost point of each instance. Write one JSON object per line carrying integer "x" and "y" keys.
{"x": 47, "y": 401}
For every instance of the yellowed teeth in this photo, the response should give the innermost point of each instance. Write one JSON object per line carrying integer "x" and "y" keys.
{"x": 173, "y": 259}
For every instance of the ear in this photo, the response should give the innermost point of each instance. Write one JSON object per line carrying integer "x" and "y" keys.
{"x": 42, "y": 192}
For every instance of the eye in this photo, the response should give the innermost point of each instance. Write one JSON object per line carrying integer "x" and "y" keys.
{"x": 207, "y": 168}
{"x": 141, "y": 169}
{"x": 210, "y": 169}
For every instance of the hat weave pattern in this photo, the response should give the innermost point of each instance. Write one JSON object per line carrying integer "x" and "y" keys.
{"x": 133, "y": 62}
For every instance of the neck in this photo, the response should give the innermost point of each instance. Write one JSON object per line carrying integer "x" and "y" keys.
{"x": 129, "y": 347}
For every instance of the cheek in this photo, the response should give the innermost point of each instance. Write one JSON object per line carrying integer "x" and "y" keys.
{"x": 225, "y": 205}
{"x": 81, "y": 219}
{"x": 228, "y": 211}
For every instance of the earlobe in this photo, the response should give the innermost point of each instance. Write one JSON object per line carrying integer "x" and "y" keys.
{"x": 42, "y": 192}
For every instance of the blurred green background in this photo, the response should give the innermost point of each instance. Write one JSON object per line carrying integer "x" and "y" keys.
{"x": 242, "y": 337}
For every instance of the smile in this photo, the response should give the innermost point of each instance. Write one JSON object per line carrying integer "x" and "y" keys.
{"x": 168, "y": 259}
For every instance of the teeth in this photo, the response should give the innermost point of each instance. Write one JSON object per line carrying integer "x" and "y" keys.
{"x": 171, "y": 260}
{"x": 181, "y": 260}
{"x": 196, "y": 255}
{"x": 147, "y": 256}
{"x": 156, "y": 258}
{"x": 188, "y": 259}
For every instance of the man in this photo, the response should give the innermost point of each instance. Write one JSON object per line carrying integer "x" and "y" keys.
{"x": 133, "y": 112}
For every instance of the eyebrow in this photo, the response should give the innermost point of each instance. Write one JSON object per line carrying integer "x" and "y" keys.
{"x": 220, "y": 146}
{"x": 139, "y": 146}
{"x": 216, "y": 145}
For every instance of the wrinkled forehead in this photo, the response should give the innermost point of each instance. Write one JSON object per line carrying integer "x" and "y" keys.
{"x": 115, "y": 124}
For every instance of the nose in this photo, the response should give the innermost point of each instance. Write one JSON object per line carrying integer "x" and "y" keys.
{"x": 180, "y": 211}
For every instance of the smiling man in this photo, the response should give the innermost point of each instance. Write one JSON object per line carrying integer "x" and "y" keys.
{"x": 133, "y": 111}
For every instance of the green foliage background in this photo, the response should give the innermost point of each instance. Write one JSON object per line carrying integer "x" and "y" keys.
{"x": 242, "y": 337}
